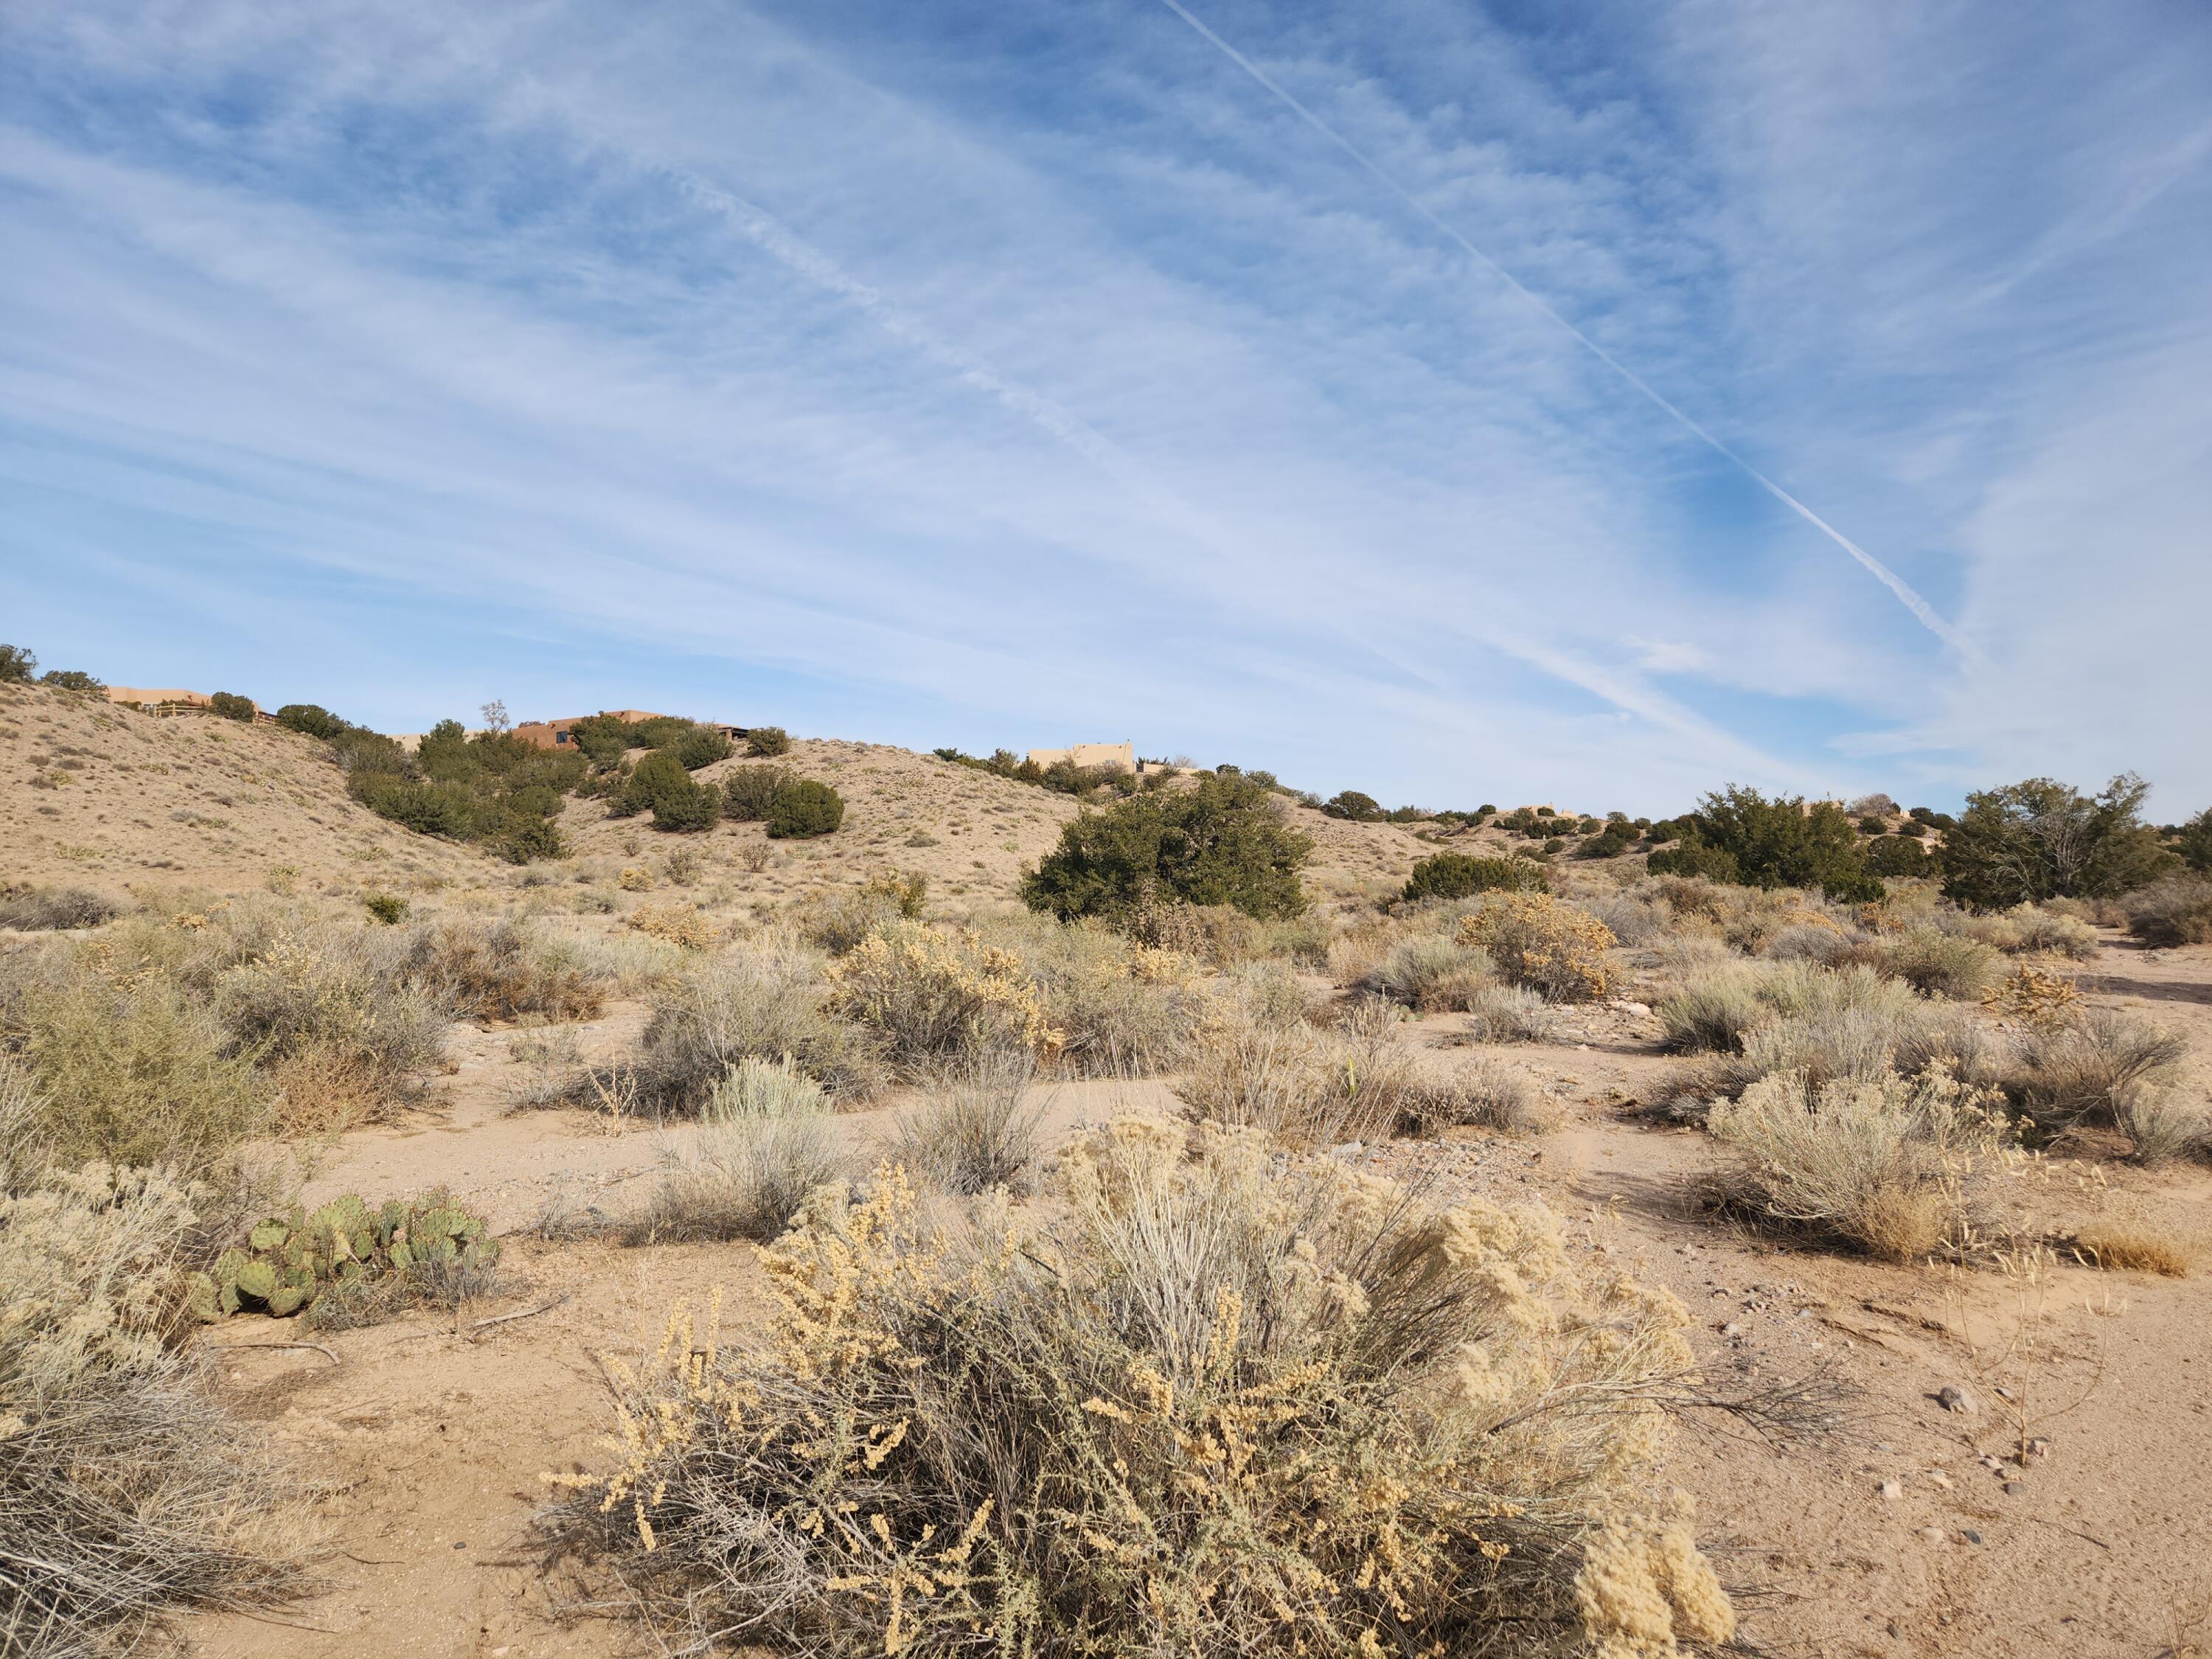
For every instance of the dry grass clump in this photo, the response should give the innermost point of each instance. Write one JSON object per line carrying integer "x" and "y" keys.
{"x": 1120, "y": 1009}
{"x": 1902, "y": 1168}
{"x": 1431, "y": 973}
{"x": 1296, "y": 1083}
{"x": 2165, "y": 1125}
{"x": 1714, "y": 1012}
{"x": 2028, "y": 928}
{"x": 1509, "y": 1013}
{"x": 836, "y": 922}
{"x": 336, "y": 998}
{"x": 1232, "y": 1404}
{"x": 1631, "y": 918}
{"x": 129, "y": 1070}
{"x": 2094, "y": 1069}
{"x": 1552, "y": 949}
{"x": 126, "y": 1492}
{"x": 762, "y": 999}
{"x": 1485, "y": 1093}
{"x": 739, "y": 1177}
{"x": 764, "y": 1088}
{"x": 505, "y": 970}
{"x": 2175, "y": 911}
{"x": 684, "y": 925}
{"x": 1940, "y": 964}
{"x": 931, "y": 994}
{"x": 2133, "y": 1244}
{"x": 974, "y": 1132}
{"x": 33, "y": 909}
{"x": 1717, "y": 1007}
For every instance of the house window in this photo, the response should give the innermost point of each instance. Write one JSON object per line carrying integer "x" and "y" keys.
{"x": 560, "y": 737}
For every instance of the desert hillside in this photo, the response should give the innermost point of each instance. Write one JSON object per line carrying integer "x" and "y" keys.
{"x": 1773, "y": 1271}
{"x": 110, "y": 797}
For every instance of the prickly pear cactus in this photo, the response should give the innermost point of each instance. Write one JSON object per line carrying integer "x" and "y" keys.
{"x": 289, "y": 1261}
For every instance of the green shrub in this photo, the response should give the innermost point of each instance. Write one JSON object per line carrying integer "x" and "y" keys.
{"x": 1694, "y": 858}
{"x": 805, "y": 809}
{"x": 2042, "y": 839}
{"x": 702, "y": 746}
{"x": 231, "y": 706}
{"x": 1351, "y": 803}
{"x": 1224, "y": 842}
{"x": 1899, "y": 855}
{"x": 311, "y": 719}
{"x": 1611, "y": 841}
{"x": 387, "y": 908}
{"x": 1461, "y": 875}
{"x": 71, "y": 679}
{"x": 2193, "y": 844}
{"x": 1783, "y": 843}
{"x": 17, "y": 665}
{"x": 767, "y": 742}
{"x": 748, "y": 792}
{"x": 677, "y": 800}
{"x": 493, "y": 788}
{"x": 138, "y": 1072}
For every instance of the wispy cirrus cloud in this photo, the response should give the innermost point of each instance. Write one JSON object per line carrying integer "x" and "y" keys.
{"x": 948, "y": 377}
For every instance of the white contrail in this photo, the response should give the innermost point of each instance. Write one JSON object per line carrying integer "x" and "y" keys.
{"x": 1881, "y": 573}
{"x": 778, "y": 240}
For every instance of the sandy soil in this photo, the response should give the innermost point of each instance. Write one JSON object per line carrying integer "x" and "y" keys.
{"x": 101, "y": 796}
{"x": 1916, "y": 1530}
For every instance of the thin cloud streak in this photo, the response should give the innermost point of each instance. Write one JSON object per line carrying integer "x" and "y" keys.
{"x": 1911, "y": 601}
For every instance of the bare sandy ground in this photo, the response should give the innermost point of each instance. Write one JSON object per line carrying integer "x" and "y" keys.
{"x": 1917, "y": 1530}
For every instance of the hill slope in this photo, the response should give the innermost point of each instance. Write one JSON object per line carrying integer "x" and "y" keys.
{"x": 107, "y": 797}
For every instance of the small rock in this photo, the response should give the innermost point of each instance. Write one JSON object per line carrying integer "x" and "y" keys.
{"x": 2006, "y": 1394}
{"x": 1993, "y": 1465}
{"x": 1893, "y": 1489}
{"x": 1932, "y": 1535}
{"x": 1940, "y": 1478}
{"x": 2013, "y": 1489}
{"x": 1953, "y": 1398}
{"x": 1970, "y": 1534}
{"x": 1731, "y": 1329}
{"x": 2038, "y": 1447}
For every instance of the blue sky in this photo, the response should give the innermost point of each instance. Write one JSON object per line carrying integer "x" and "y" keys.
{"x": 1020, "y": 374}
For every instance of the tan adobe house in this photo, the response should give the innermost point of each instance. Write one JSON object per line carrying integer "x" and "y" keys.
{"x": 556, "y": 733}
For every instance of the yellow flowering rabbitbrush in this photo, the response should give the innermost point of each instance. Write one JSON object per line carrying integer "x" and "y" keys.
{"x": 1234, "y": 1401}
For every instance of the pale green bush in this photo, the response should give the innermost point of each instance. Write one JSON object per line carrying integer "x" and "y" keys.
{"x": 1431, "y": 1424}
